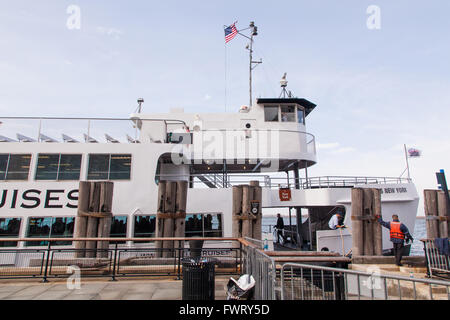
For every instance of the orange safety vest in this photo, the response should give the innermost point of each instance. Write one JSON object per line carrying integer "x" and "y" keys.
{"x": 396, "y": 233}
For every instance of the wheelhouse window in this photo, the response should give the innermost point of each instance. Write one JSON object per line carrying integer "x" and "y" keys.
{"x": 144, "y": 226}
{"x": 109, "y": 167}
{"x": 203, "y": 225}
{"x": 270, "y": 113}
{"x": 50, "y": 227}
{"x": 119, "y": 227}
{"x": 287, "y": 113}
{"x": 14, "y": 166}
{"x": 300, "y": 115}
{"x": 9, "y": 228}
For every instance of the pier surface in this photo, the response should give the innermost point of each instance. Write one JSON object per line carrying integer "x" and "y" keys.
{"x": 94, "y": 289}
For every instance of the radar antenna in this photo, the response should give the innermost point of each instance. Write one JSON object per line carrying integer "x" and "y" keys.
{"x": 140, "y": 101}
{"x": 284, "y": 93}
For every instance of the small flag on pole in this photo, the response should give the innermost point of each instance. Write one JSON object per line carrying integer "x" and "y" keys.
{"x": 413, "y": 152}
{"x": 230, "y": 32}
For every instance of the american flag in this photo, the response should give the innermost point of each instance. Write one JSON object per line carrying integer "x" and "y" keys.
{"x": 230, "y": 32}
{"x": 413, "y": 152}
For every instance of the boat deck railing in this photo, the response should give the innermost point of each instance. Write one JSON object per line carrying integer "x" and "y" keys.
{"x": 221, "y": 180}
{"x": 78, "y": 129}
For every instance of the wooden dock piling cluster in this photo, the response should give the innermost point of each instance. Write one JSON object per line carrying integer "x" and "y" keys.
{"x": 246, "y": 223}
{"x": 94, "y": 218}
{"x": 171, "y": 215}
{"x": 366, "y": 231}
{"x": 437, "y": 214}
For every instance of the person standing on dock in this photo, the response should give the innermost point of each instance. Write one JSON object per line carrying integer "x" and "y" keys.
{"x": 398, "y": 234}
{"x": 279, "y": 226}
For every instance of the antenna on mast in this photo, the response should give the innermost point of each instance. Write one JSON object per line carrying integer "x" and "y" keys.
{"x": 140, "y": 101}
{"x": 249, "y": 47}
{"x": 284, "y": 93}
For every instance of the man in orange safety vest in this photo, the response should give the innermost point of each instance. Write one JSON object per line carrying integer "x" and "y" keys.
{"x": 398, "y": 233}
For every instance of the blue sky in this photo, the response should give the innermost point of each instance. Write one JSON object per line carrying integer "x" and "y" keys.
{"x": 375, "y": 89}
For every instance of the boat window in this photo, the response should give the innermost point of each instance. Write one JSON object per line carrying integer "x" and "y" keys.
{"x": 50, "y": 227}
{"x": 193, "y": 225}
{"x": 213, "y": 225}
{"x": 98, "y": 167}
{"x": 17, "y": 167}
{"x": 9, "y": 228}
{"x": 287, "y": 113}
{"x": 120, "y": 167}
{"x": 119, "y": 227}
{"x": 109, "y": 167}
{"x": 3, "y": 165}
{"x": 69, "y": 167}
{"x": 203, "y": 225}
{"x": 144, "y": 226}
{"x": 47, "y": 167}
{"x": 300, "y": 115}
{"x": 270, "y": 113}
{"x": 58, "y": 167}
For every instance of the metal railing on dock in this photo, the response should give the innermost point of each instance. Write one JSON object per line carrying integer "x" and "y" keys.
{"x": 307, "y": 282}
{"x": 119, "y": 260}
{"x": 438, "y": 264}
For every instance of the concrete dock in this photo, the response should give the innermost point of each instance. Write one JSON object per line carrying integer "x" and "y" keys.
{"x": 101, "y": 289}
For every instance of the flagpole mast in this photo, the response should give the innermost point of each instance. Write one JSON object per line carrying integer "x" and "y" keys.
{"x": 252, "y": 64}
{"x": 407, "y": 163}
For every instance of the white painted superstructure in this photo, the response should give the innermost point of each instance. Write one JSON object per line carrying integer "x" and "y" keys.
{"x": 215, "y": 151}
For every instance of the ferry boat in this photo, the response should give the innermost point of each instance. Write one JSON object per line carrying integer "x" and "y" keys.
{"x": 41, "y": 166}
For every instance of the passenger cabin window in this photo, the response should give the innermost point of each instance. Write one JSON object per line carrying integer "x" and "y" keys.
{"x": 58, "y": 167}
{"x": 50, "y": 227}
{"x": 271, "y": 113}
{"x": 144, "y": 226}
{"x": 9, "y": 228}
{"x": 119, "y": 227}
{"x": 203, "y": 225}
{"x": 287, "y": 113}
{"x": 14, "y": 166}
{"x": 109, "y": 167}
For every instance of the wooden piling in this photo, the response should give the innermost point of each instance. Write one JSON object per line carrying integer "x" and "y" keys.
{"x": 81, "y": 221}
{"x": 257, "y": 223}
{"x": 431, "y": 213}
{"x": 180, "y": 212}
{"x": 169, "y": 223}
{"x": 91, "y": 232}
{"x": 357, "y": 225}
{"x": 444, "y": 215}
{"x": 247, "y": 195}
{"x": 237, "y": 210}
{"x": 159, "y": 220}
{"x": 104, "y": 223}
{"x": 368, "y": 221}
{"x": 377, "y": 228}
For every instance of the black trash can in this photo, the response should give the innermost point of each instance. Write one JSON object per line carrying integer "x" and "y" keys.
{"x": 198, "y": 279}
